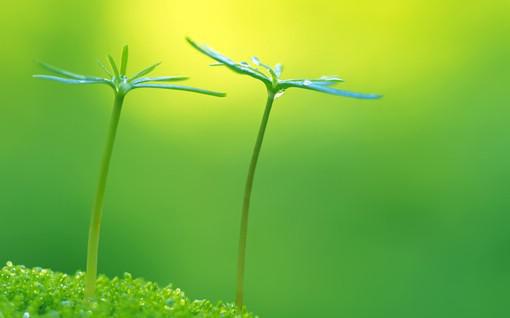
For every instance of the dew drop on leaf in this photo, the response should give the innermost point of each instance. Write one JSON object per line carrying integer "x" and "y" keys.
{"x": 278, "y": 68}
{"x": 279, "y": 94}
{"x": 330, "y": 78}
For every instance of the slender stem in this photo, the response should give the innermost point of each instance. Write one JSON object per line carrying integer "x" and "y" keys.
{"x": 246, "y": 203}
{"x": 95, "y": 221}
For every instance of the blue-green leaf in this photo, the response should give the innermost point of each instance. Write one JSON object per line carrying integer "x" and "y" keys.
{"x": 325, "y": 81}
{"x": 211, "y": 53}
{"x": 145, "y": 71}
{"x": 160, "y": 79}
{"x": 273, "y": 82}
{"x": 236, "y": 67}
{"x": 104, "y": 68}
{"x": 338, "y": 92}
{"x": 274, "y": 77}
{"x": 182, "y": 88}
{"x": 308, "y": 84}
{"x": 66, "y": 73}
{"x": 71, "y": 81}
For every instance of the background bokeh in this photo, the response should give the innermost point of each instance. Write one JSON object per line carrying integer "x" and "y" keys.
{"x": 390, "y": 208}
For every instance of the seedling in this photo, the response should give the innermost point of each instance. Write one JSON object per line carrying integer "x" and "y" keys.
{"x": 271, "y": 77}
{"x": 121, "y": 84}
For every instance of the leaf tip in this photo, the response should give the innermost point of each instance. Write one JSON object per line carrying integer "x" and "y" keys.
{"x": 124, "y": 60}
{"x": 114, "y": 65}
{"x": 191, "y": 42}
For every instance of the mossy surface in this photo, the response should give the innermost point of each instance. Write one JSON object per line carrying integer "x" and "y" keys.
{"x": 36, "y": 292}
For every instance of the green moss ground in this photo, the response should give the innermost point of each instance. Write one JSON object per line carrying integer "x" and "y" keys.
{"x": 36, "y": 292}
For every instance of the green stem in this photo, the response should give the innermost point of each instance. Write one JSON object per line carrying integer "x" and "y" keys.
{"x": 95, "y": 221}
{"x": 246, "y": 203}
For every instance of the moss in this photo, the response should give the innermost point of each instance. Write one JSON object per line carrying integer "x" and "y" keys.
{"x": 38, "y": 292}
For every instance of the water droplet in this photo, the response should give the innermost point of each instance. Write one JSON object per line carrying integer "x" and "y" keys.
{"x": 26, "y": 314}
{"x": 255, "y": 60}
{"x": 279, "y": 94}
{"x": 9, "y": 264}
{"x": 278, "y": 68}
{"x": 331, "y": 78}
{"x": 244, "y": 64}
{"x": 307, "y": 82}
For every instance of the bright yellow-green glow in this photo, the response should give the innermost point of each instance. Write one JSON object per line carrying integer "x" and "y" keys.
{"x": 394, "y": 208}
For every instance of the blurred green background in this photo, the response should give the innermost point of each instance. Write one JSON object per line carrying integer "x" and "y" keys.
{"x": 389, "y": 208}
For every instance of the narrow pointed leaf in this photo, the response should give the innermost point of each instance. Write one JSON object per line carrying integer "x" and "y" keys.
{"x": 338, "y": 92}
{"x": 251, "y": 70}
{"x": 182, "y": 88}
{"x": 114, "y": 66}
{"x": 298, "y": 82}
{"x": 236, "y": 67}
{"x": 123, "y": 66}
{"x": 307, "y": 84}
{"x": 104, "y": 68}
{"x": 66, "y": 73}
{"x": 69, "y": 80}
{"x": 145, "y": 71}
{"x": 160, "y": 79}
{"x": 271, "y": 71}
{"x": 211, "y": 53}
{"x": 323, "y": 83}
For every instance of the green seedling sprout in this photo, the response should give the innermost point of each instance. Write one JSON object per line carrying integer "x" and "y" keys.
{"x": 121, "y": 84}
{"x": 271, "y": 77}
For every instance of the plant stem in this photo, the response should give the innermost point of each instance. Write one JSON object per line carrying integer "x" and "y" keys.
{"x": 246, "y": 203}
{"x": 95, "y": 221}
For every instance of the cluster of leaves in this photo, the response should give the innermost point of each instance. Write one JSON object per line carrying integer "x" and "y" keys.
{"x": 271, "y": 76}
{"x": 41, "y": 293}
{"x": 117, "y": 77}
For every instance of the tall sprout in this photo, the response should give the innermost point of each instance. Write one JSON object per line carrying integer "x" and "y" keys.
{"x": 121, "y": 83}
{"x": 275, "y": 87}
